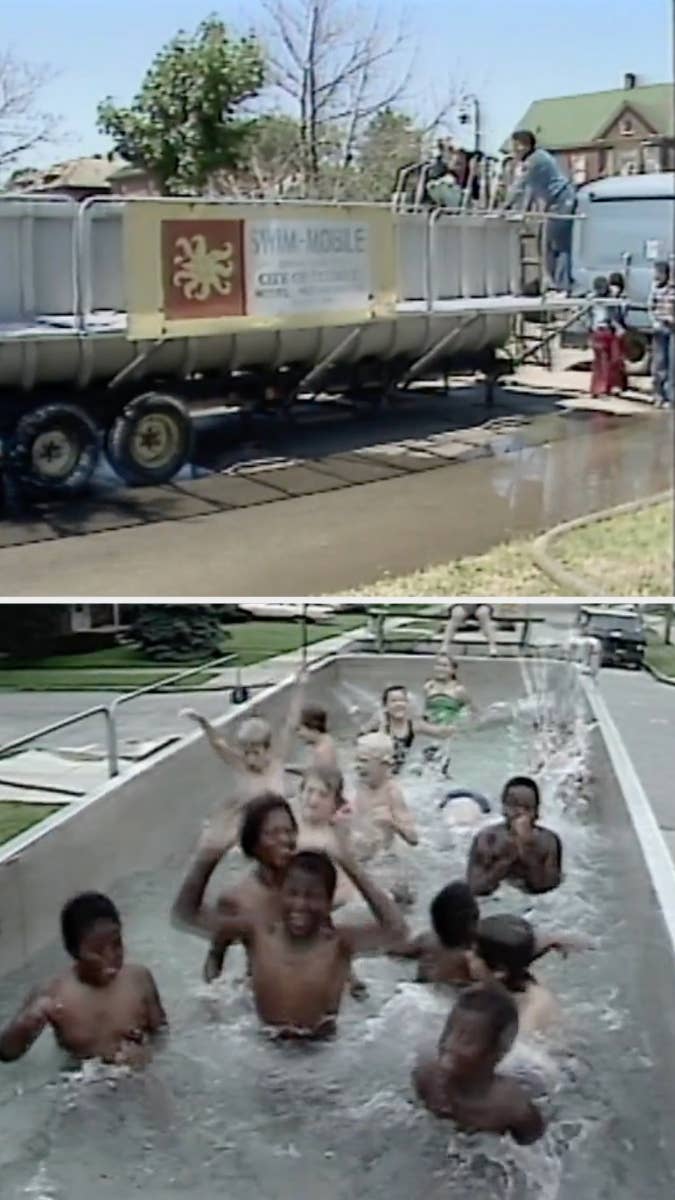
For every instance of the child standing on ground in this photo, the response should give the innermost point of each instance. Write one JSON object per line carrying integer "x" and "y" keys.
{"x": 602, "y": 329}
{"x": 662, "y": 313}
{"x": 101, "y": 1007}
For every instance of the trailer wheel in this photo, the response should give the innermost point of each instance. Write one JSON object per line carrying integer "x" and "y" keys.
{"x": 56, "y": 448}
{"x": 150, "y": 440}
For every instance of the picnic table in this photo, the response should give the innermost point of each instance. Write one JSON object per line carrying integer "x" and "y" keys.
{"x": 408, "y": 624}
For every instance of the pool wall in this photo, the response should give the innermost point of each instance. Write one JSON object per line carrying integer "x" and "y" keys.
{"x": 150, "y": 816}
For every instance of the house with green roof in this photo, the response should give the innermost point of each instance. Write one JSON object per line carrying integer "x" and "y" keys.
{"x": 629, "y": 130}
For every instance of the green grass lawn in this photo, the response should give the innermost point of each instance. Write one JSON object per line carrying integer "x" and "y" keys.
{"x": 124, "y": 668}
{"x": 630, "y": 555}
{"x": 15, "y": 817}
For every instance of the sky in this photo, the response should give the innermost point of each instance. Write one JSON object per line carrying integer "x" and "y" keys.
{"x": 508, "y": 53}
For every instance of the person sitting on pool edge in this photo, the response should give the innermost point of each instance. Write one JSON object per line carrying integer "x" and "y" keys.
{"x": 396, "y": 722}
{"x": 518, "y": 850}
{"x": 300, "y": 962}
{"x": 259, "y": 756}
{"x": 460, "y": 1082}
{"x": 460, "y": 614}
{"x": 101, "y": 1007}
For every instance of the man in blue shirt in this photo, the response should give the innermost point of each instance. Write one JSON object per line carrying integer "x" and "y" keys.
{"x": 541, "y": 182}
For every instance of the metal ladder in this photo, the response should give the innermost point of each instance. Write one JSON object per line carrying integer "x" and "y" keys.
{"x": 532, "y": 338}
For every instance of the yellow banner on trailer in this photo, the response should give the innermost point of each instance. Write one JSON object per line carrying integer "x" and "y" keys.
{"x": 195, "y": 269}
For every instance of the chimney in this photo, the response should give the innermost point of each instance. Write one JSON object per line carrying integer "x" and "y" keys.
{"x": 629, "y": 82}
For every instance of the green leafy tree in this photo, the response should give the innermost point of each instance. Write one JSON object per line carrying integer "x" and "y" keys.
{"x": 391, "y": 141}
{"x": 272, "y": 163}
{"x": 178, "y": 632}
{"x": 185, "y": 125}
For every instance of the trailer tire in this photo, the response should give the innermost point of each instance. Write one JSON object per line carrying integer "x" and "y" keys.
{"x": 55, "y": 449}
{"x": 150, "y": 440}
{"x": 638, "y": 353}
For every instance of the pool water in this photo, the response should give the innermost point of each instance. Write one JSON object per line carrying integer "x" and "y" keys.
{"x": 222, "y": 1112}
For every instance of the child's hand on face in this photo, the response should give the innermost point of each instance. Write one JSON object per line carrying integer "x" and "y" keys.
{"x": 523, "y": 827}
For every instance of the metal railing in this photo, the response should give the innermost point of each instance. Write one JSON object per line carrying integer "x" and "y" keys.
{"x": 109, "y": 711}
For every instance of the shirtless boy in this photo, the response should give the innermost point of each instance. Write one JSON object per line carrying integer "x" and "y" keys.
{"x": 259, "y": 756}
{"x": 313, "y": 731}
{"x": 461, "y": 1082}
{"x": 268, "y": 836}
{"x": 300, "y": 962}
{"x": 381, "y": 812}
{"x": 518, "y": 850}
{"x": 101, "y": 1007}
{"x": 460, "y": 948}
{"x": 320, "y": 805}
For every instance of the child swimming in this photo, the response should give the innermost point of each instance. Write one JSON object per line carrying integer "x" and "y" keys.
{"x": 268, "y": 836}
{"x": 445, "y": 697}
{"x": 300, "y": 962}
{"x": 101, "y": 1007}
{"x": 379, "y": 807}
{"x": 507, "y": 945}
{"x": 461, "y": 1083}
{"x": 445, "y": 953}
{"x": 397, "y": 723}
{"x": 321, "y": 805}
{"x": 518, "y": 850}
{"x": 259, "y": 756}
{"x": 313, "y": 731}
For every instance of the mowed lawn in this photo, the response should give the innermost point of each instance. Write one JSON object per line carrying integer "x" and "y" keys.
{"x": 16, "y": 817}
{"x": 124, "y": 668}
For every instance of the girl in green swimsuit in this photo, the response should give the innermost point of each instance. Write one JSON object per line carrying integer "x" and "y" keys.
{"x": 445, "y": 698}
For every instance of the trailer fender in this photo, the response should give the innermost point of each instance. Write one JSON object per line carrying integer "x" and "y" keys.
{"x": 55, "y": 448}
{"x": 151, "y": 439}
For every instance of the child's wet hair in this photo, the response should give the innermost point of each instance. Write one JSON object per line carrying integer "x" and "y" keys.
{"x": 522, "y": 781}
{"x": 507, "y": 943}
{"x": 494, "y": 1004}
{"x": 81, "y": 913}
{"x": 255, "y": 815}
{"x": 454, "y": 914}
{"x": 331, "y": 778}
{"x": 318, "y": 865}
{"x": 393, "y": 687}
{"x": 616, "y": 279}
{"x": 600, "y": 285}
{"x": 255, "y": 732}
{"x": 314, "y": 717}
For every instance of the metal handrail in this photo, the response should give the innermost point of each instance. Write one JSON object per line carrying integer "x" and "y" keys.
{"x": 113, "y": 757}
{"x": 74, "y": 719}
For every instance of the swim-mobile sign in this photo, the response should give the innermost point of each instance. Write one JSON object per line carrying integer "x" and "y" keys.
{"x": 202, "y": 269}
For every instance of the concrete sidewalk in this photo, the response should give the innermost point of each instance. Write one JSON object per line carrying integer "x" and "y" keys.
{"x": 643, "y": 711}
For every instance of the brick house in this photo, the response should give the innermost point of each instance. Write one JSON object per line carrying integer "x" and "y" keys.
{"x": 81, "y": 178}
{"x": 630, "y": 130}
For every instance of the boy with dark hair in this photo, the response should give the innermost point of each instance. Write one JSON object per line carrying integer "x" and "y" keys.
{"x": 313, "y": 731}
{"x": 300, "y": 962}
{"x": 508, "y": 946}
{"x": 101, "y": 1007}
{"x": 444, "y": 953}
{"x": 461, "y": 1083}
{"x": 518, "y": 850}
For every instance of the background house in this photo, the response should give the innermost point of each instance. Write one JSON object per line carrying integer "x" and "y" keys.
{"x": 629, "y": 130}
{"x": 80, "y": 178}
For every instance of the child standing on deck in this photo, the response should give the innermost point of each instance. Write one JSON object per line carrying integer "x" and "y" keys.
{"x": 662, "y": 313}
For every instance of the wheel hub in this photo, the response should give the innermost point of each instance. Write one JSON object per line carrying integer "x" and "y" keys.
{"x": 155, "y": 440}
{"x": 54, "y": 454}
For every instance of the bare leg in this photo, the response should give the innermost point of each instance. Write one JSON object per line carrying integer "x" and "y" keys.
{"x": 213, "y": 964}
{"x": 487, "y": 627}
{"x": 457, "y": 619}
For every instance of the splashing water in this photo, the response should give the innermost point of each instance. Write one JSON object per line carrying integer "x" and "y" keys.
{"x": 223, "y": 1111}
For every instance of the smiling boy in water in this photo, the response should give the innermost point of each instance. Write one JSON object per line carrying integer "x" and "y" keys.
{"x": 518, "y": 850}
{"x": 300, "y": 962}
{"x": 461, "y": 1083}
{"x": 101, "y": 1007}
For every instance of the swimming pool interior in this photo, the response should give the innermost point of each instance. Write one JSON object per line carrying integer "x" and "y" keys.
{"x": 222, "y": 1112}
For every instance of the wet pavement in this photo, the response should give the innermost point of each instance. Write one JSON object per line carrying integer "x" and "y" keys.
{"x": 337, "y": 501}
